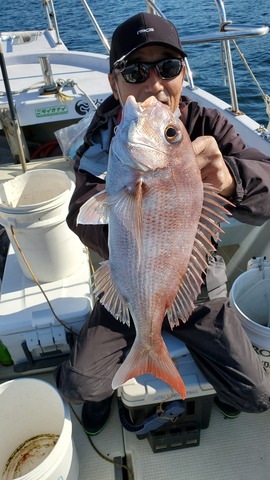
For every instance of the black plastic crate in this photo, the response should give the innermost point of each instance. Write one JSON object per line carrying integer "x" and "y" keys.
{"x": 174, "y": 436}
{"x": 184, "y": 431}
{"x": 197, "y": 411}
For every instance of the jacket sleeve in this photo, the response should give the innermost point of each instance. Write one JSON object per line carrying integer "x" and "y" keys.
{"x": 249, "y": 167}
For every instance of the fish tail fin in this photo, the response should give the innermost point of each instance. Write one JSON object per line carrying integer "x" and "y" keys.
{"x": 157, "y": 362}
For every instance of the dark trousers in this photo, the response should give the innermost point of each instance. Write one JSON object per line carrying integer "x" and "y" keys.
{"x": 213, "y": 335}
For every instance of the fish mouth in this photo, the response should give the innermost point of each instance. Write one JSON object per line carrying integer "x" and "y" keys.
{"x": 131, "y": 103}
{"x": 154, "y": 100}
{"x": 132, "y": 110}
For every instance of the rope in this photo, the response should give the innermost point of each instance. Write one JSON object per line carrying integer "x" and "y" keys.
{"x": 16, "y": 92}
{"x": 266, "y": 98}
{"x": 37, "y": 282}
{"x": 60, "y": 84}
{"x": 104, "y": 457}
{"x": 89, "y": 98}
{"x": 45, "y": 150}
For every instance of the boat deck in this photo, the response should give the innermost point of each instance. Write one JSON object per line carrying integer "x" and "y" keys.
{"x": 229, "y": 449}
{"x": 77, "y": 76}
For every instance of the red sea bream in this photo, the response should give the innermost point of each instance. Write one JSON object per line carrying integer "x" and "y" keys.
{"x": 161, "y": 218}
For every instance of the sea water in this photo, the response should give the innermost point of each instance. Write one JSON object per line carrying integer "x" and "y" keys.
{"x": 190, "y": 17}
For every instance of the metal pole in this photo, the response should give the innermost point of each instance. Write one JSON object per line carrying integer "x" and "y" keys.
{"x": 12, "y": 109}
{"x": 152, "y": 8}
{"x": 51, "y": 18}
{"x": 227, "y": 50}
{"x": 96, "y": 25}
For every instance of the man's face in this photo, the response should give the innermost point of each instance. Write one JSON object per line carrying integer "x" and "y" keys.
{"x": 166, "y": 91}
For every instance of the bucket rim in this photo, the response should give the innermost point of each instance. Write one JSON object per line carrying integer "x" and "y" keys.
{"x": 32, "y": 380}
{"x": 65, "y": 435}
{"x": 46, "y": 204}
{"x": 257, "y": 275}
{"x": 253, "y": 324}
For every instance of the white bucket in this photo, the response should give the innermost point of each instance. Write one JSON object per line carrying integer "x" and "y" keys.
{"x": 33, "y": 408}
{"x": 36, "y": 205}
{"x": 250, "y": 298}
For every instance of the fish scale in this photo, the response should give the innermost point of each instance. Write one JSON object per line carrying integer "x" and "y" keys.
{"x": 161, "y": 219}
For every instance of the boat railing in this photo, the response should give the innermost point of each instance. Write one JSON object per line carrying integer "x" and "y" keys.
{"x": 227, "y": 31}
{"x": 230, "y": 32}
{"x": 96, "y": 25}
{"x": 51, "y": 18}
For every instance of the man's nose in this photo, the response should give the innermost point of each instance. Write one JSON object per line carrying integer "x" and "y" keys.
{"x": 154, "y": 81}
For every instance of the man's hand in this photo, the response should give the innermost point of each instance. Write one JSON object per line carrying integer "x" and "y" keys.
{"x": 213, "y": 168}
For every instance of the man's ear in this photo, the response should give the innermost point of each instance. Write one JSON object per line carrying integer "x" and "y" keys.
{"x": 184, "y": 70}
{"x": 113, "y": 86}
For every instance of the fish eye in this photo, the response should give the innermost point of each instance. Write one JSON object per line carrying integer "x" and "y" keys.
{"x": 173, "y": 134}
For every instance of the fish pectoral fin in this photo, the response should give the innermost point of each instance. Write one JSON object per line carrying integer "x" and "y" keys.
{"x": 158, "y": 363}
{"x": 95, "y": 210}
{"x": 111, "y": 299}
{"x": 128, "y": 208}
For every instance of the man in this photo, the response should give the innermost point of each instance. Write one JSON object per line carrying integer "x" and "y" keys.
{"x": 147, "y": 59}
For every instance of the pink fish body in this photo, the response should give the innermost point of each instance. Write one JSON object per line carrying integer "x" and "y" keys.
{"x": 161, "y": 218}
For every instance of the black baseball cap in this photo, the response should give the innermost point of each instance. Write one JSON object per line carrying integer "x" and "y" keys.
{"x": 140, "y": 31}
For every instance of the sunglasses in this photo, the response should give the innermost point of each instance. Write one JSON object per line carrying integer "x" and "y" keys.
{"x": 139, "y": 72}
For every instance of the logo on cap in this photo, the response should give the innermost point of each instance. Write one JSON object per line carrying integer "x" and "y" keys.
{"x": 145, "y": 30}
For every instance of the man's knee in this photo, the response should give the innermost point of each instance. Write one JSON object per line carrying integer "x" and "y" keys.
{"x": 65, "y": 384}
{"x": 76, "y": 387}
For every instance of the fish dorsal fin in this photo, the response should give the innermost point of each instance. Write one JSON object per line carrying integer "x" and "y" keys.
{"x": 95, "y": 210}
{"x": 111, "y": 299}
{"x": 213, "y": 212}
